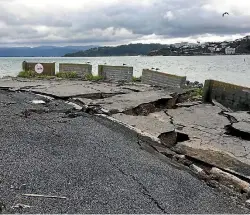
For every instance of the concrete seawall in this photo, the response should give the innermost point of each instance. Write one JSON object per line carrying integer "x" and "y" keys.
{"x": 49, "y": 69}
{"x": 231, "y": 96}
{"x": 116, "y": 73}
{"x": 162, "y": 79}
{"x": 81, "y": 69}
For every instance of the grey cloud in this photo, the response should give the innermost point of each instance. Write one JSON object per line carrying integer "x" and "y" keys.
{"x": 103, "y": 23}
{"x": 46, "y": 18}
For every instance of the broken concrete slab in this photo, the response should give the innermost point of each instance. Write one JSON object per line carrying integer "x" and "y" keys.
{"x": 22, "y": 84}
{"x": 239, "y": 129}
{"x": 214, "y": 156}
{"x": 147, "y": 102}
{"x": 243, "y": 127}
{"x": 157, "y": 124}
{"x": 209, "y": 140}
{"x": 240, "y": 116}
{"x": 66, "y": 88}
{"x": 204, "y": 116}
{"x": 227, "y": 178}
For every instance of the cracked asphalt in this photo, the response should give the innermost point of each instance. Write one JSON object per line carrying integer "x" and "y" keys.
{"x": 96, "y": 164}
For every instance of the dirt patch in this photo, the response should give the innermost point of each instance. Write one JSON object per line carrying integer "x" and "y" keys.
{"x": 168, "y": 139}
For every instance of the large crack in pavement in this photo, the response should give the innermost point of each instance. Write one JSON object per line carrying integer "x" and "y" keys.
{"x": 237, "y": 128}
{"x": 144, "y": 189}
{"x": 147, "y": 108}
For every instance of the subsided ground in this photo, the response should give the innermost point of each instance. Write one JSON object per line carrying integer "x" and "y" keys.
{"x": 52, "y": 149}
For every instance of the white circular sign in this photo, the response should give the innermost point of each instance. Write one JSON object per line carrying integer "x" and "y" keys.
{"x": 39, "y": 68}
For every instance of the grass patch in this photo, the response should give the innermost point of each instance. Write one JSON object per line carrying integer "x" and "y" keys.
{"x": 32, "y": 74}
{"x": 191, "y": 95}
{"x": 197, "y": 92}
{"x": 27, "y": 74}
{"x": 136, "y": 79}
{"x": 66, "y": 75}
{"x": 91, "y": 77}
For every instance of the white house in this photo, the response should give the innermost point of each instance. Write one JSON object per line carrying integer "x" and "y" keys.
{"x": 212, "y": 49}
{"x": 229, "y": 50}
{"x": 178, "y": 45}
{"x": 224, "y": 44}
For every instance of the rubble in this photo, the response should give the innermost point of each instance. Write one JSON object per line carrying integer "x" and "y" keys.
{"x": 226, "y": 178}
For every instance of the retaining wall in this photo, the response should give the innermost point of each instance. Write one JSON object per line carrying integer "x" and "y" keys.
{"x": 116, "y": 73}
{"x": 80, "y": 69}
{"x": 162, "y": 79}
{"x": 49, "y": 69}
{"x": 229, "y": 95}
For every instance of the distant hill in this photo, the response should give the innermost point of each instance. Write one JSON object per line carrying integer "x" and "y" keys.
{"x": 41, "y": 51}
{"x": 123, "y": 50}
{"x": 241, "y": 46}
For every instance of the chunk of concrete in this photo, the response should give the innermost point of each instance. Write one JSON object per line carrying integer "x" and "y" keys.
{"x": 195, "y": 168}
{"x": 240, "y": 116}
{"x": 157, "y": 124}
{"x": 129, "y": 101}
{"x": 242, "y": 127}
{"x": 228, "y": 178}
{"x": 214, "y": 157}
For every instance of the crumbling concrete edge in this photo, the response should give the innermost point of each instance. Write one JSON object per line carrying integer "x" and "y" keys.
{"x": 155, "y": 141}
{"x": 211, "y": 175}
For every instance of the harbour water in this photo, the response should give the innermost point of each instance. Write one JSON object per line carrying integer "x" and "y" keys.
{"x": 232, "y": 69}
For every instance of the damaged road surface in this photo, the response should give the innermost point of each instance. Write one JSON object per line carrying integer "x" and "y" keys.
{"x": 55, "y": 159}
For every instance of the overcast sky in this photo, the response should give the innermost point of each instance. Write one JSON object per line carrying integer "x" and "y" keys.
{"x": 111, "y": 22}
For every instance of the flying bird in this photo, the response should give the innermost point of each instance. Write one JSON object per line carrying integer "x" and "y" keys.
{"x": 226, "y": 13}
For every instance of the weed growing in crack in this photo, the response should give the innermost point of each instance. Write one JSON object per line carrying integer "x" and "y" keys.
{"x": 33, "y": 74}
{"x": 136, "y": 79}
{"x": 66, "y": 75}
{"x": 27, "y": 74}
{"x": 90, "y": 77}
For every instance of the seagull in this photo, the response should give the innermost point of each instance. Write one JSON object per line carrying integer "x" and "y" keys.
{"x": 226, "y": 13}
{"x": 124, "y": 64}
{"x": 152, "y": 68}
{"x": 157, "y": 69}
